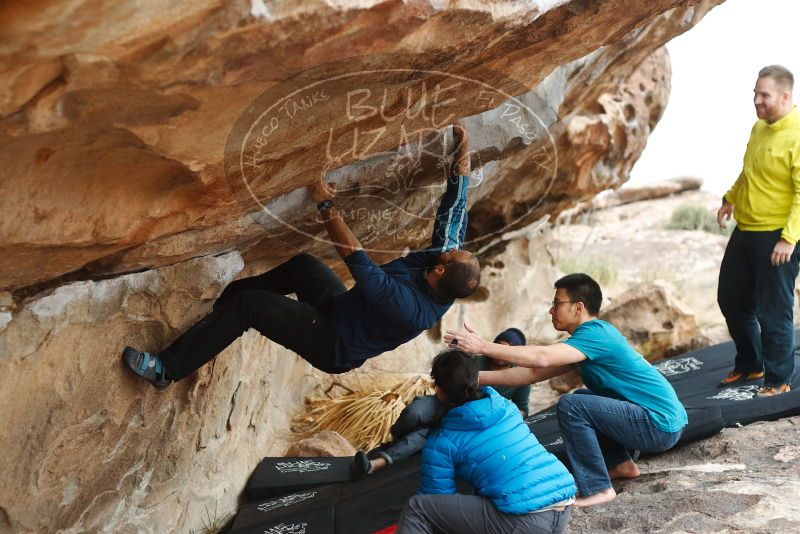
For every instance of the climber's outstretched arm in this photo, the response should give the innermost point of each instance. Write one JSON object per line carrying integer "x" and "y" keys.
{"x": 461, "y": 159}
{"x": 343, "y": 238}
{"x": 450, "y": 224}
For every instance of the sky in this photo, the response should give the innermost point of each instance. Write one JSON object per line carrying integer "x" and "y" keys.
{"x": 706, "y": 124}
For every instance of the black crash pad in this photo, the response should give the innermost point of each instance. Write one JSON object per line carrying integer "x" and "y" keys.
{"x": 695, "y": 376}
{"x": 373, "y": 503}
{"x": 703, "y": 423}
{"x": 317, "y": 503}
{"x": 361, "y": 506}
{"x": 313, "y": 521}
{"x": 544, "y": 425}
{"x": 277, "y": 476}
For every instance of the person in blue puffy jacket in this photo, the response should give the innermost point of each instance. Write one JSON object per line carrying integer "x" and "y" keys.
{"x": 411, "y": 428}
{"x": 520, "y": 487}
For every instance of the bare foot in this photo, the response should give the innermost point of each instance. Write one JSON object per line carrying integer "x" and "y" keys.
{"x": 606, "y": 495}
{"x": 627, "y": 469}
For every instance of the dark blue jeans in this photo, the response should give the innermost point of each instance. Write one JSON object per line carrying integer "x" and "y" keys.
{"x": 757, "y": 300}
{"x": 599, "y": 431}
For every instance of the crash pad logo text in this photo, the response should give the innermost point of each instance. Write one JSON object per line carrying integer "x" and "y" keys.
{"x": 301, "y": 466}
{"x": 287, "y": 528}
{"x": 539, "y": 417}
{"x": 740, "y": 393}
{"x": 678, "y": 366}
{"x": 285, "y": 501}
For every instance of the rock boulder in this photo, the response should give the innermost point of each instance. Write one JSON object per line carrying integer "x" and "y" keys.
{"x": 325, "y": 443}
{"x": 654, "y": 321}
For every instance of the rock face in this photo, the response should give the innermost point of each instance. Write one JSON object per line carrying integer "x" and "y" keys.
{"x": 742, "y": 480}
{"x": 97, "y": 449}
{"x": 88, "y": 446}
{"x": 655, "y": 321}
{"x": 325, "y": 443}
{"x": 122, "y": 130}
{"x": 115, "y": 125}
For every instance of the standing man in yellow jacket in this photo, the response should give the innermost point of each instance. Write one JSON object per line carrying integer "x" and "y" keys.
{"x": 761, "y": 262}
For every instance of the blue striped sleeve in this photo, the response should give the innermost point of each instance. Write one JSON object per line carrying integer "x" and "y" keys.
{"x": 450, "y": 225}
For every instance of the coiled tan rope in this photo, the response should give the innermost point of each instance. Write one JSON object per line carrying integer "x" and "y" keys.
{"x": 364, "y": 418}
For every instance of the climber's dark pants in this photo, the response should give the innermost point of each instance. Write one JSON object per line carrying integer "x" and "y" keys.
{"x": 305, "y": 325}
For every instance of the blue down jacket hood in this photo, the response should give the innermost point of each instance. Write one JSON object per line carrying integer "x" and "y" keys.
{"x": 486, "y": 443}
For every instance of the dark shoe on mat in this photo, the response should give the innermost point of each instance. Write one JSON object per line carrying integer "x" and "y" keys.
{"x": 146, "y": 365}
{"x": 361, "y": 466}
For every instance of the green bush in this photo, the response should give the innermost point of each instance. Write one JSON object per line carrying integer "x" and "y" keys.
{"x": 602, "y": 271}
{"x": 696, "y": 218}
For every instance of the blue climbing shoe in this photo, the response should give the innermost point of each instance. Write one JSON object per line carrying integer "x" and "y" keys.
{"x": 146, "y": 365}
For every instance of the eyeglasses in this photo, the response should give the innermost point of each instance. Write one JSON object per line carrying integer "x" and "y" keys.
{"x": 555, "y": 303}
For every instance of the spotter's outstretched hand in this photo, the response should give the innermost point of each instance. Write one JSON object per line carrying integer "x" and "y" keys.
{"x": 467, "y": 340}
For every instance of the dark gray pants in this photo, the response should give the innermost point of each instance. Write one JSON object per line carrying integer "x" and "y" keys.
{"x": 470, "y": 514}
{"x": 411, "y": 429}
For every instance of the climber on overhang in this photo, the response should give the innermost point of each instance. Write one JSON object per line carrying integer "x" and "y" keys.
{"x": 332, "y": 328}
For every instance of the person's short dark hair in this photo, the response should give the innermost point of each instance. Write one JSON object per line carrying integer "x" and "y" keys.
{"x": 582, "y": 288}
{"x": 460, "y": 278}
{"x": 780, "y": 74}
{"x": 456, "y": 374}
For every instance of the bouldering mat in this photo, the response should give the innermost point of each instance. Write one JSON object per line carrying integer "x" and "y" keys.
{"x": 301, "y": 504}
{"x": 696, "y": 375}
{"x": 373, "y": 504}
{"x": 277, "y": 476}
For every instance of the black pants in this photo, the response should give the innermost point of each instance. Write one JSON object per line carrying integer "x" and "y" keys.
{"x": 304, "y": 326}
{"x": 757, "y": 300}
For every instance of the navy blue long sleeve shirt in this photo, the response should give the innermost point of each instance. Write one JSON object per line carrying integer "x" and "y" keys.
{"x": 392, "y": 304}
